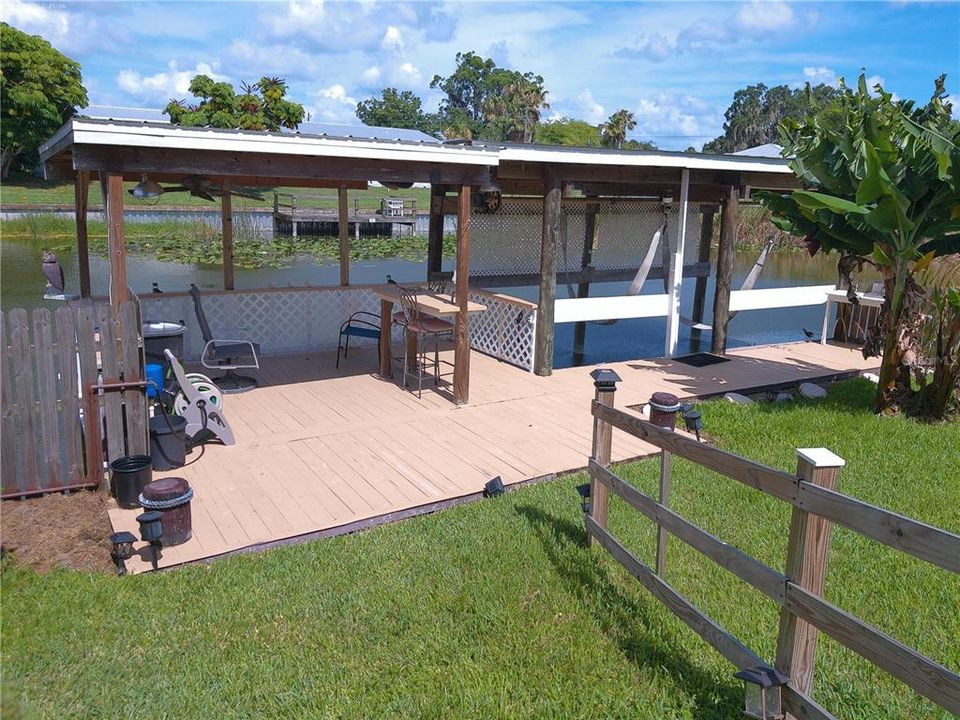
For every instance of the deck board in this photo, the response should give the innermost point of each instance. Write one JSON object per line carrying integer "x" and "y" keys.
{"x": 320, "y": 448}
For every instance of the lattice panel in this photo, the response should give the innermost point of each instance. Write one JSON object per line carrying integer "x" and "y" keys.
{"x": 506, "y": 330}
{"x": 282, "y": 321}
{"x": 507, "y": 242}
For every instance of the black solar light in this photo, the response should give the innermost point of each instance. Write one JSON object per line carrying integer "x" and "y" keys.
{"x": 694, "y": 422}
{"x": 762, "y": 692}
{"x": 493, "y": 488}
{"x": 584, "y": 492}
{"x": 151, "y": 531}
{"x": 122, "y": 550}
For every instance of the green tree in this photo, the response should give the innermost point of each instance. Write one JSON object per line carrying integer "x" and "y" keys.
{"x": 398, "y": 110}
{"x": 754, "y": 115}
{"x": 881, "y": 183}
{"x": 40, "y": 89}
{"x": 613, "y": 133}
{"x": 259, "y": 106}
{"x": 477, "y": 88}
{"x": 564, "y": 131}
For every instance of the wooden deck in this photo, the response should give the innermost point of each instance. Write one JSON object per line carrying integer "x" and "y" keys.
{"x": 321, "y": 450}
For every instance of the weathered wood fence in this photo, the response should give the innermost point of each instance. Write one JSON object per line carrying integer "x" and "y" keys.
{"x": 798, "y": 591}
{"x": 72, "y": 395}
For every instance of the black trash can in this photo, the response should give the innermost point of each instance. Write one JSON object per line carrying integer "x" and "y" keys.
{"x": 160, "y": 335}
{"x": 168, "y": 441}
{"x": 128, "y": 476}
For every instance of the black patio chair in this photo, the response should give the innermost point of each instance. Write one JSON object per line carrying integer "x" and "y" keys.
{"x": 229, "y": 355}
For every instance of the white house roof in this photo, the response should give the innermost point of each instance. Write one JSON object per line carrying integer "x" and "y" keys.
{"x": 134, "y": 134}
{"x": 767, "y": 150}
{"x": 86, "y": 131}
{"x": 641, "y": 158}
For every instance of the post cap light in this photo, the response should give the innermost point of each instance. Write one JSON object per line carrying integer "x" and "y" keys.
{"x": 493, "y": 488}
{"x": 762, "y": 693}
{"x": 605, "y": 378}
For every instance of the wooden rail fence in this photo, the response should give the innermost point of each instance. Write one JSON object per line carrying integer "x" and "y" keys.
{"x": 72, "y": 395}
{"x": 798, "y": 591}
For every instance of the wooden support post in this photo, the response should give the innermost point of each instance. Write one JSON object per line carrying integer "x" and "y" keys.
{"x": 226, "y": 224}
{"x": 605, "y": 386}
{"x": 461, "y": 359}
{"x": 343, "y": 226}
{"x": 725, "y": 256}
{"x": 543, "y": 344}
{"x": 435, "y": 231}
{"x": 81, "y": 190}
{"x": 590, "y": 233}
{"x": 700, "y": 289}
{"x": 663, "y": 413}
{"x": 807, "y": 552}
{"x": 675, "y": 276}
{"x": 111, "y": 185}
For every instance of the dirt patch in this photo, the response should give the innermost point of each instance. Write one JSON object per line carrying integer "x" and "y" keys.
{"x": 68, "y": 531}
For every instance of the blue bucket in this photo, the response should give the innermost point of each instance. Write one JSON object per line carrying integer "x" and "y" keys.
{"x": 154, "y": 379}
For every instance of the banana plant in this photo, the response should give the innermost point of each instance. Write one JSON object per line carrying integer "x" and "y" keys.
{"x": 881, "y": 184}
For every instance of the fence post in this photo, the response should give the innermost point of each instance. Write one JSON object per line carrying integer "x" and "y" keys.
{"x": 605, "y": 382}
{"x": 663, "y": 413}
{"x": 807, "y": 552}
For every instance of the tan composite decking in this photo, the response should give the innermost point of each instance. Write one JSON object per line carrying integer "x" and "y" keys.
{"x": 319, "y": 449}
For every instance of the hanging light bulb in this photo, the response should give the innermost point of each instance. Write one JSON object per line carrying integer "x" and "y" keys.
{"x": 146, "y": 189}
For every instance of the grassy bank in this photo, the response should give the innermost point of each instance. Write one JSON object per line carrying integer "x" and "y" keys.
{"x": 496, "y": 609}
{"x": 20, "y": 190}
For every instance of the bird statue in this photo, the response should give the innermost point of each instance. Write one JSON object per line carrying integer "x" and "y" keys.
{"x": 390, "y": 280}
{"x": 156, "y": 288}
{"x": 51, "y": 268}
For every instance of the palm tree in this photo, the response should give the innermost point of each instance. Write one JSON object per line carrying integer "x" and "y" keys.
{"x": 614, "y": 131}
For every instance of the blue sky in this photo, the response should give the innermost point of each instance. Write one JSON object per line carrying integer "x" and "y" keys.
{"x": 675, "y": 65}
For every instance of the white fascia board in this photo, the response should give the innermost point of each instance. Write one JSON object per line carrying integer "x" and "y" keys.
{"x": 620, "y": 307}
{"x": 176, "y": 138}
{"x": 648, "y": 159}
{"x": 783, "y": 297}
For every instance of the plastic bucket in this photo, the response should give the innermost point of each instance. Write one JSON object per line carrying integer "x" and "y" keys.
{"x": 159, "y": 336}
{"x": 168, "y": 441}
{"x": 128, "y": 476}
{"x": 154, "y": 379}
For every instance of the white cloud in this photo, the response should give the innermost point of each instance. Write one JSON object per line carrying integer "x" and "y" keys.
{"x": 411, "y": 72}
{"x": 589, "y": 109}
{"x": 164, "y": 85}
{"x": 371, "y": 75}
{"x": 820, "y": 75}
{"x": 672, "y": 119}
{"x": 269, "y": 59}
{"x": 335, "y": 105}
{"x": 759, "y": 16}
{"x": 392, "y": 40}
{"x": 66, "y": 31}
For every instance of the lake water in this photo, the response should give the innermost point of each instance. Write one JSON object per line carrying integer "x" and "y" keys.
{"x": 22, "y": 285}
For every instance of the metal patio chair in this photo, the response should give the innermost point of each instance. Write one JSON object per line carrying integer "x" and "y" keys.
{"x": 425, "y": 328}
{"x": 357, "y": 325}
{"x": 229, "y": 355}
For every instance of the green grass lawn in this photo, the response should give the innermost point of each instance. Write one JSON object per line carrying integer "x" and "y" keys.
{"x": 28, "y": 190}
{"x": 496, "y": 609}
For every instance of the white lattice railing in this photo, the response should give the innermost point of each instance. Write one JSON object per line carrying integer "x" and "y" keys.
{"x": 287, "y": 320}
{"x": 506, "y": 330}
{"x": 297, "y": 320}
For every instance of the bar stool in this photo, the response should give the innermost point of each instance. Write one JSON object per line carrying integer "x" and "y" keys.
{"x": 424, "y": 328}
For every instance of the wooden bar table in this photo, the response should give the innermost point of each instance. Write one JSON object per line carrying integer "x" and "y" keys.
{"x": 434, "y": 304}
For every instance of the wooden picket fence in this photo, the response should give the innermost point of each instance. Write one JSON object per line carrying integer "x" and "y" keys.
{"x": 72, "y": 395}
{"x": 798, "y": 591}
